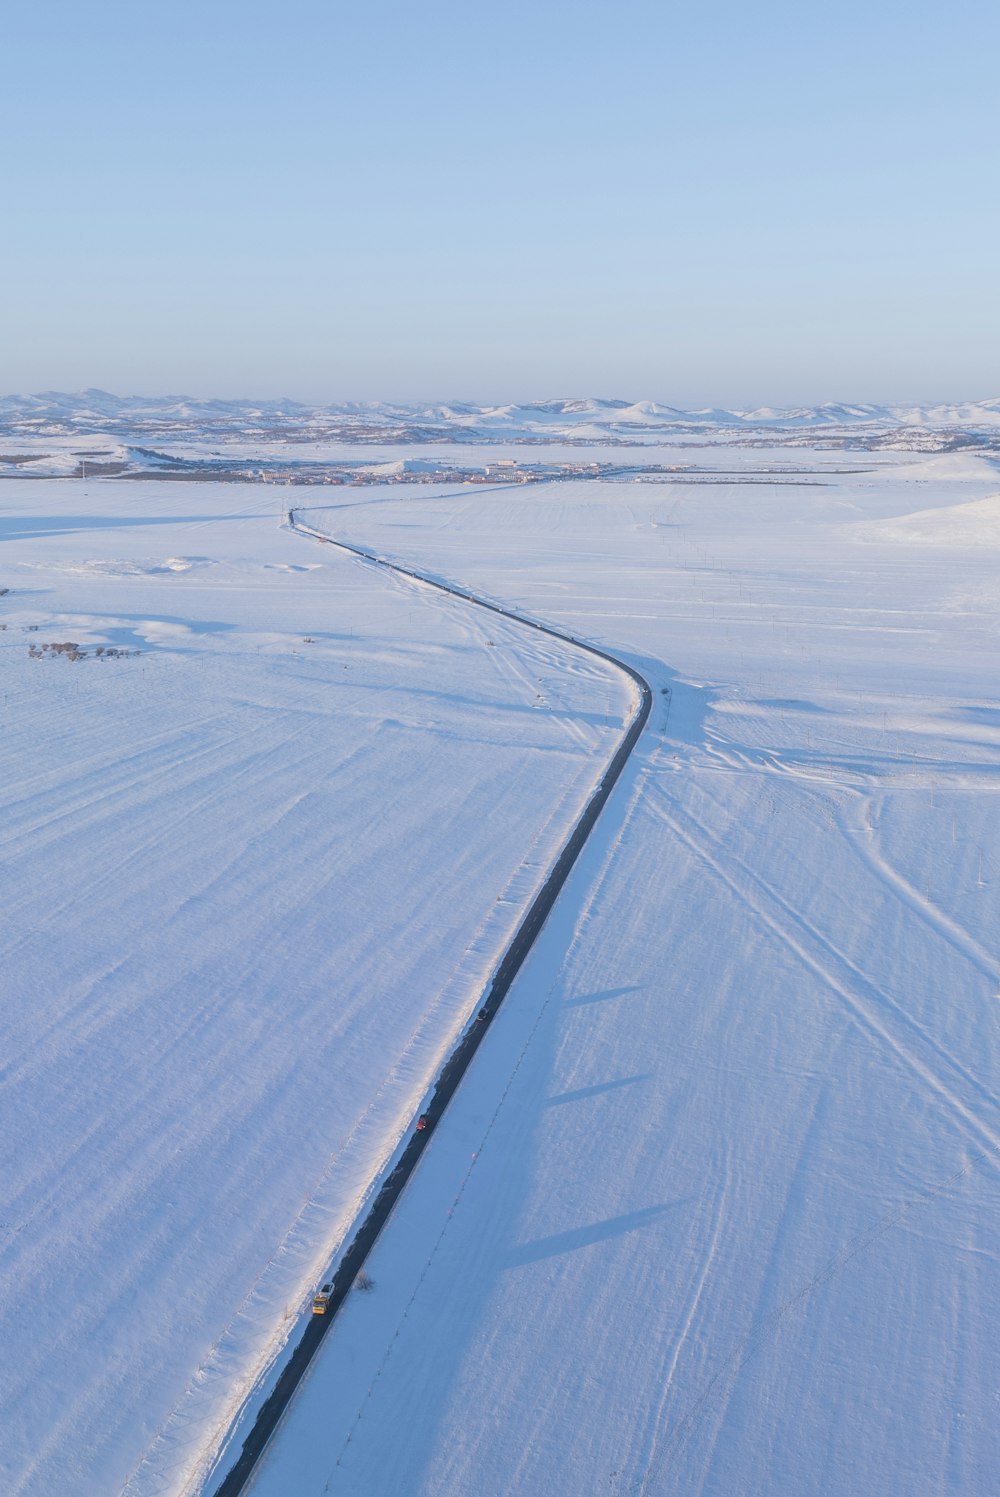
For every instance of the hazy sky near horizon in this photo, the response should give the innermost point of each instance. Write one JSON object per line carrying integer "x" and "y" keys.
{"x": 726, "y": 204}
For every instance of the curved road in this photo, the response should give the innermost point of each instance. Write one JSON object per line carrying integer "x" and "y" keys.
{"x": 459, "y": 1060}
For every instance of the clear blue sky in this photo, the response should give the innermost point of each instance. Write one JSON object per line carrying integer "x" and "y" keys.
{"x": 727, "y": 204}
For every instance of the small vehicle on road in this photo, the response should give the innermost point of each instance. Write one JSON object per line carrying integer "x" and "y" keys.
{"x": 321, "y": 1300}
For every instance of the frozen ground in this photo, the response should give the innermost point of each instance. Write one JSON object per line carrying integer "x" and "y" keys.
{"x": 716, "y": 1210}
{"x": 255, "y": 876}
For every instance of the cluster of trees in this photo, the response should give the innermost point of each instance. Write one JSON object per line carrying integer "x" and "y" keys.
{"x": 71, "y": 650}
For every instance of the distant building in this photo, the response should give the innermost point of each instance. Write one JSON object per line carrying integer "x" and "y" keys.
{"x": 504, "y": 467}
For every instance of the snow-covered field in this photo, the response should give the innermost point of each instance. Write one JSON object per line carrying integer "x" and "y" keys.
{"x": 253, "y": 887}
{"x": 716, "y": 1209}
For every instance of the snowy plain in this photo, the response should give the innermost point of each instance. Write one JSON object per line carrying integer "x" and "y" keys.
{"x": 255, "y": 878}
{"x": 716, "y": 1209}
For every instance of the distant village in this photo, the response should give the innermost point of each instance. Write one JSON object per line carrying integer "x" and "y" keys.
{"x": 139, "y": 464}
{"x": 149, "y": 464}
{"x": 501, "y": 471}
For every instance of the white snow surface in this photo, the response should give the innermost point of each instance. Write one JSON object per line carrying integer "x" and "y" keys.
{"x": 715, "y": 1210}
{"x": 958, "y": 526}
{"x": 256, "y": 877}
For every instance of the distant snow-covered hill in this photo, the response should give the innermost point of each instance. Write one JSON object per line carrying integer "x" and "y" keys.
{"x": 576, "y": 419}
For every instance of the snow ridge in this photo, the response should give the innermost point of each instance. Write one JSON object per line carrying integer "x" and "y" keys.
{"x": 52, "y": 411}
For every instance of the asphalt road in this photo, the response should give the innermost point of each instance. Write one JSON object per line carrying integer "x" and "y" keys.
{"x": 460, "y": 1058}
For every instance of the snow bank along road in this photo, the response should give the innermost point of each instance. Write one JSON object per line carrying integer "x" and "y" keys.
{"x": 458, "y": 1062}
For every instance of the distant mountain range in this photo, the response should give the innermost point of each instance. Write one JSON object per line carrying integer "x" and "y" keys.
{"x": 577, "y": 420}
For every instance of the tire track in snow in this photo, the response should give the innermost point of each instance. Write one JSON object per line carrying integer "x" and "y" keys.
{"x": 748, "y": 1344}
{"x": 649, "y": 1458}
{"x": 519, "y": 672}
{"x": 949, "y": 930}
{"x": 770, "y": 1282}
{"x": 870, "y": 1016}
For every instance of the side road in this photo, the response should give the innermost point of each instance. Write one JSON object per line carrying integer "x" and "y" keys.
{"x": 353, "y": 1260}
